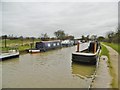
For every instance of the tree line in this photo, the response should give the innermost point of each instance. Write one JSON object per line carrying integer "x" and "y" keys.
{"x": 111, "y": 37}
{"x": 60, "y": 34}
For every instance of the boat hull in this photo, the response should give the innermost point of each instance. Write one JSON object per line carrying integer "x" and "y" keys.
{"x": 90, "y": 59}
{"x": 11, "y": 55}
{"x": 34, "y": 51}
{"x": 89, "y": 55}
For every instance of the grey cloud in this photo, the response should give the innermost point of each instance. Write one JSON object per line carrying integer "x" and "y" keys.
{"x": 32, "y": 19}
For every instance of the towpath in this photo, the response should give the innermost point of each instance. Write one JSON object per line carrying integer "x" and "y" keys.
{"x": 107, "y": 73}
{"x": 103, "y": 78}
{"x": 114, "y": 65}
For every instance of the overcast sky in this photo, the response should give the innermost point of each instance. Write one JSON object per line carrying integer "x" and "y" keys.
{"x": 75, "y": 18}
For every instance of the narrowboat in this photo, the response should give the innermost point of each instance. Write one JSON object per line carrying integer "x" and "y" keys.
{"x": 47, "y": 45}
{"x": 67, "y": 43}
{"x": 88, "y": 55}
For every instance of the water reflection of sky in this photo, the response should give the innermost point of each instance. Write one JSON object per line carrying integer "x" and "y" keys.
{"x": 82, "y": 70}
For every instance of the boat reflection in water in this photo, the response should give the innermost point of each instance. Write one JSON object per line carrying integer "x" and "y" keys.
{"x": 83, "y": 70}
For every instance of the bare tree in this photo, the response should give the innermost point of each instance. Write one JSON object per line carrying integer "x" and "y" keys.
{"x": 60, "y": 34}
{"x": 110, "y": 36}
{"x": 44, "y": 36}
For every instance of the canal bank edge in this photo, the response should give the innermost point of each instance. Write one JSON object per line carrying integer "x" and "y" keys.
{"x": 112, "y": 69}
{"x": 113, "y": 66}
{"x": 103, "y": 78}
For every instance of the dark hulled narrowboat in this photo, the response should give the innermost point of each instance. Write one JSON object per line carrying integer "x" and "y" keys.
{"x": 89, "y": 55}
{"x": 47, "y": 45}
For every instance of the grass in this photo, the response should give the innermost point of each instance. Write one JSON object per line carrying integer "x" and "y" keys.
{"x": 20, "y": 48}
{"x": 114, "y": 46}
{"x": 18, "y": 41}
{"x": 21, "y": 45}
{"x": 105, "y": 52}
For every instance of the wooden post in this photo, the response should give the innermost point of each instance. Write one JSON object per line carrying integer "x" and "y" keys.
{"x": 78, "y": 47}
{"x": 5, "y": 41}
{"x": 94, "y": 47}
{"x": 33, "y": 40}
{"x": 16, "y": 47}
{"x": 31, "y": 47}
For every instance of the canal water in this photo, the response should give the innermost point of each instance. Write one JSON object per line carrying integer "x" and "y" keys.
{"x": 52, "y": 69}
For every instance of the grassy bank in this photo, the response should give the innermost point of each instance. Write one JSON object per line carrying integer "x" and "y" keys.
{"x": 114, "y": 46}
{"x": 20, "y": 48}
{"x": 17, "y": 41}
{"x": 21, "y": 45}
{"x": 106, "y": 53}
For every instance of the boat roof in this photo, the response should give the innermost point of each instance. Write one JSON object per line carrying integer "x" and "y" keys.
{"x": 50, "y": 41}
{"x": 86, "y": 54}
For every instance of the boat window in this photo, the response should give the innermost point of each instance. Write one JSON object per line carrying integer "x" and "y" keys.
{"x": 49, "y": 45}
{"x": 54, "y": 44}
{"x": 58, "y": 44}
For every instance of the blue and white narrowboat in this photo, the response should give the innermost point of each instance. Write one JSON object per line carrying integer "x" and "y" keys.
{"x": 48, "y": 45}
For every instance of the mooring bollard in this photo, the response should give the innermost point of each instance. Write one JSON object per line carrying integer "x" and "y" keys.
{"x": 78, "y": 47}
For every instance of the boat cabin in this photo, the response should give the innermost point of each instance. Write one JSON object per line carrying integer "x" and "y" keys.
{"x": 67, "y": 43}
{"x": 47, "y": 45}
